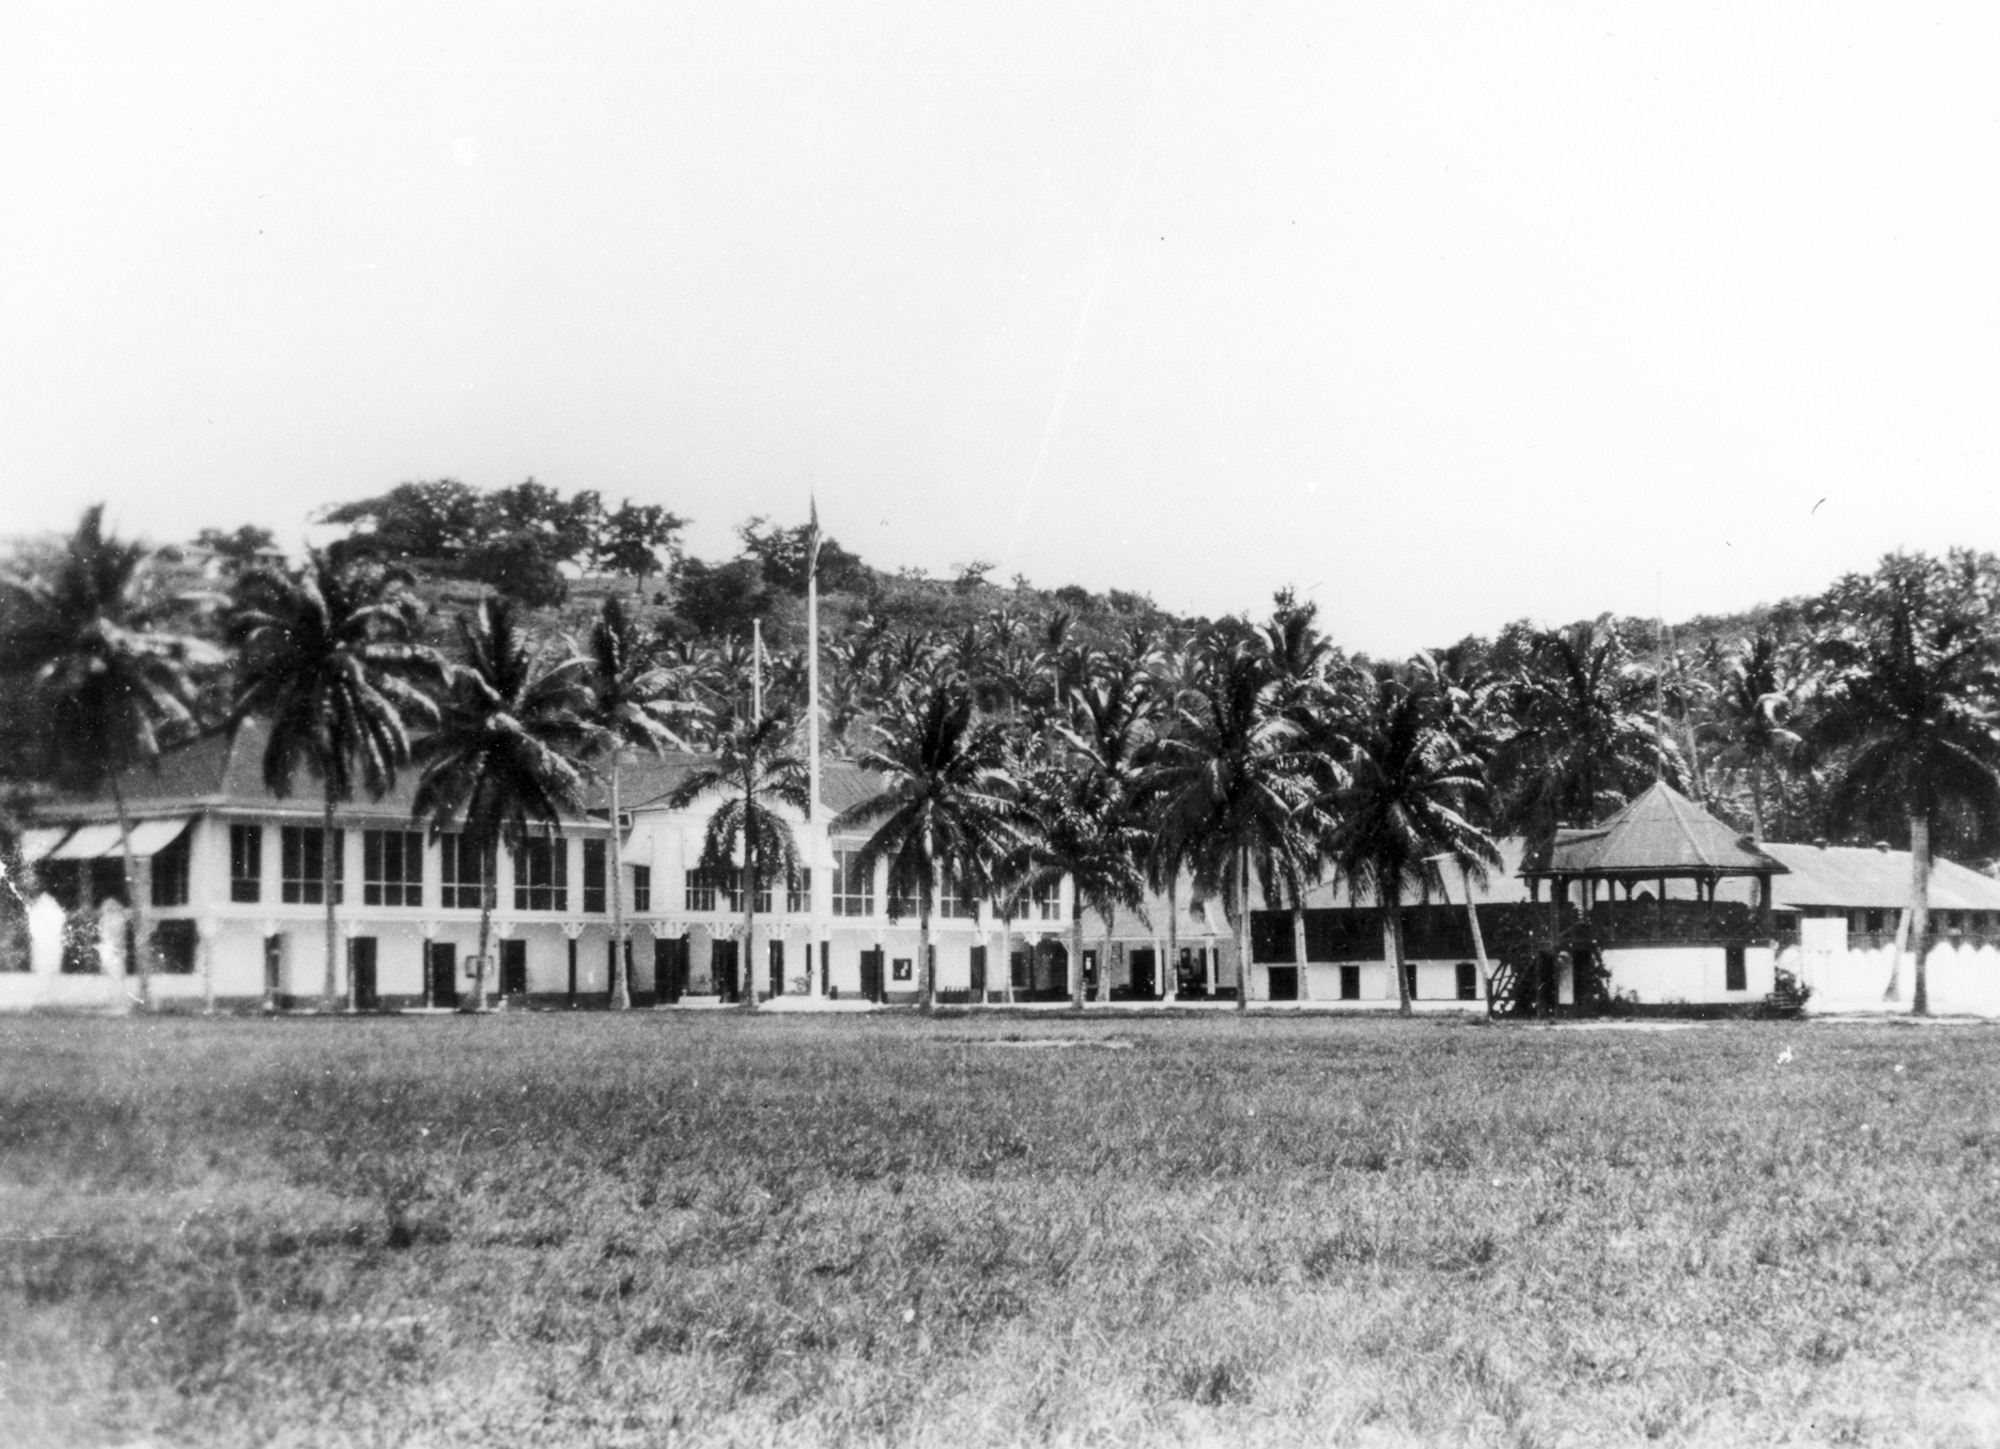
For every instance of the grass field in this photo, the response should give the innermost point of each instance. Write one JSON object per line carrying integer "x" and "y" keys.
{"x": 688, "y": 1228}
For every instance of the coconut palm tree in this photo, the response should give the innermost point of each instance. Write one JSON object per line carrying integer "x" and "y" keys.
{"x": 1581, "y": 740}
{"x": 1403, "y": 804}
{"x": 1086, "y": 807}
{"x": 97, "y": 645}
{"x": 326, "y": 657}
{"x": 755, "y": 766}
{"x": 1231, "y": 779}
{"x": 505, "y": 763}
{"x": 1084, "y": 829}
{"x": 947, "y": 802}
{"x": 633, "y": 701}
{"x": 1913, "y": 700}
{"x": 1751, "y": 707}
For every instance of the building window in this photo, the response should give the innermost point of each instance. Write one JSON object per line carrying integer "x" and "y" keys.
{"x": 799, "y": 891}
{"x": 462, "y": 872}
{"x": 1874, "y": 922}
{"x": 593, "y": 877}
{"x": 853, "y": 886}
{"x": 642, "y": 888}
{"x": 701, "y": 885}
{"x": 1734, "y": 977}
{"x": 246, "y": 863}
{"x": 301, "y": 862}
{"x": 541, "y": 875}
{"x": 1048, "y": 901}
{"x": 174, "y": 943}
{"x": 392, "y": 868}
{"x": 170, "y": 872}
{"x": 953, "y": 902}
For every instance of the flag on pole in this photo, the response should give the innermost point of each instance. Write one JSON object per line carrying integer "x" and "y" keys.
{"x": 812, "y": 538}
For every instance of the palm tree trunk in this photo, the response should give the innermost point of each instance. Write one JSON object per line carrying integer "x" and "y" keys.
{"x": 747, "y": 973}
{"x": 1007, "y": 950}
{"x": 1241, "y": 926}
{"x": 1104, "y": 967}
{"x": 621, "y": 979}
{"x": 927, "y": 964}
{"x": 1920, "y": 910}
{"x": 1076, "y": 953}
{"x": 1756, "y": 799}
{"x": 1392, "y": 913}
{"x": 143, "y": 957}
{"x": 1478, "y": 942}
{"x": 488, "y": 898}
{"x": 331, "y": 988}
{"x": 1299, "y": 942}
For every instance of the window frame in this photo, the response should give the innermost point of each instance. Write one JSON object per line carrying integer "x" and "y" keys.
{"x": 460, "y": 889}
{"x": 541, "y": 875}
{"x": 304, "y": 887}
{"x": 594, "y": 878}
{"x": 377, "y": 885}
{"x": 246, "y": 864}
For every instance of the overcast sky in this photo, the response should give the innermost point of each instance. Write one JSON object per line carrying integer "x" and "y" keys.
{"x": 1445, "y": 314}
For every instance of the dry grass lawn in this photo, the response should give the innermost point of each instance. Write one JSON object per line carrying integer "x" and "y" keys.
{"x": 690, "y": 1228}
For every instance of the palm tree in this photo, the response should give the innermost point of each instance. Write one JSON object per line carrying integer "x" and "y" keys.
{"x": 628, "y": 700}
{"x": 1084, "y": 832}
{"x": 1231, "y": 779}
{"x": 947, "y": 802}
{"x": 1581, "y": 742}
{"x": 1915, "y": 661}
{"x": 755, "y": 765}
{"x": 503, "y": 765}
{"x": 1405, "y": 798}
{"x": 326, "y": 657}
{"x": 1085, "y": 808}
{"x": 97, "y": 647}
{"x": 1751, "y": 708}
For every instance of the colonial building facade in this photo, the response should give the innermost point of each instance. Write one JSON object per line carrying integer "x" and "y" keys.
{"x": 230, "y": 892}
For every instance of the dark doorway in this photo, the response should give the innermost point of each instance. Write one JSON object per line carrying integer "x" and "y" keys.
{"x": 826, "y": 968}
{"x": 670, "y": 968}
{"x": 513, "y": 968}
{"x": 978, "y": 973}
{"x": 443, "y": 973}
{"x": 1468, "y": 981}
{"x": 1089, "y": 975}
{"x": 722, "y": 969}
{"x": 1193, "y": 972}
{"x": 1284, "y": 982}
{"x": 871, "y": 975}
{"x": 1145, "y": 973}
{"x": 1350, "y": 983}
{"x": 777, "y": 968}
{"x": 361, "y": 961}
{"x": 1735, "y": 976}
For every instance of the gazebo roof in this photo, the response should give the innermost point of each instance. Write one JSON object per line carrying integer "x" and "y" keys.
{"x": 1660, "y": 833}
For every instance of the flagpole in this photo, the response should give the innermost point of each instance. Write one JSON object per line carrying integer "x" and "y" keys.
{"x": 822, "y": 856}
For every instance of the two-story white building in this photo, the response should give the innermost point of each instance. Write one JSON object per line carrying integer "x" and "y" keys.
{"x": 230, "y": 883}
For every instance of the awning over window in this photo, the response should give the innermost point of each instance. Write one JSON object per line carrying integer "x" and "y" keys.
{"x": 35, "y": 844}
{"x": 638, "y": 849}
{"x": 92, "y": 842}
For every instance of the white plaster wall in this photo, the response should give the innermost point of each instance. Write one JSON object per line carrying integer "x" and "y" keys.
{"x": 1658, "y": 975}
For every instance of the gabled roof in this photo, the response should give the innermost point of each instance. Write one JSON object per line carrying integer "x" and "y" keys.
{"x": 1660, "y": 833}
{"x": 1863, "y": 877}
